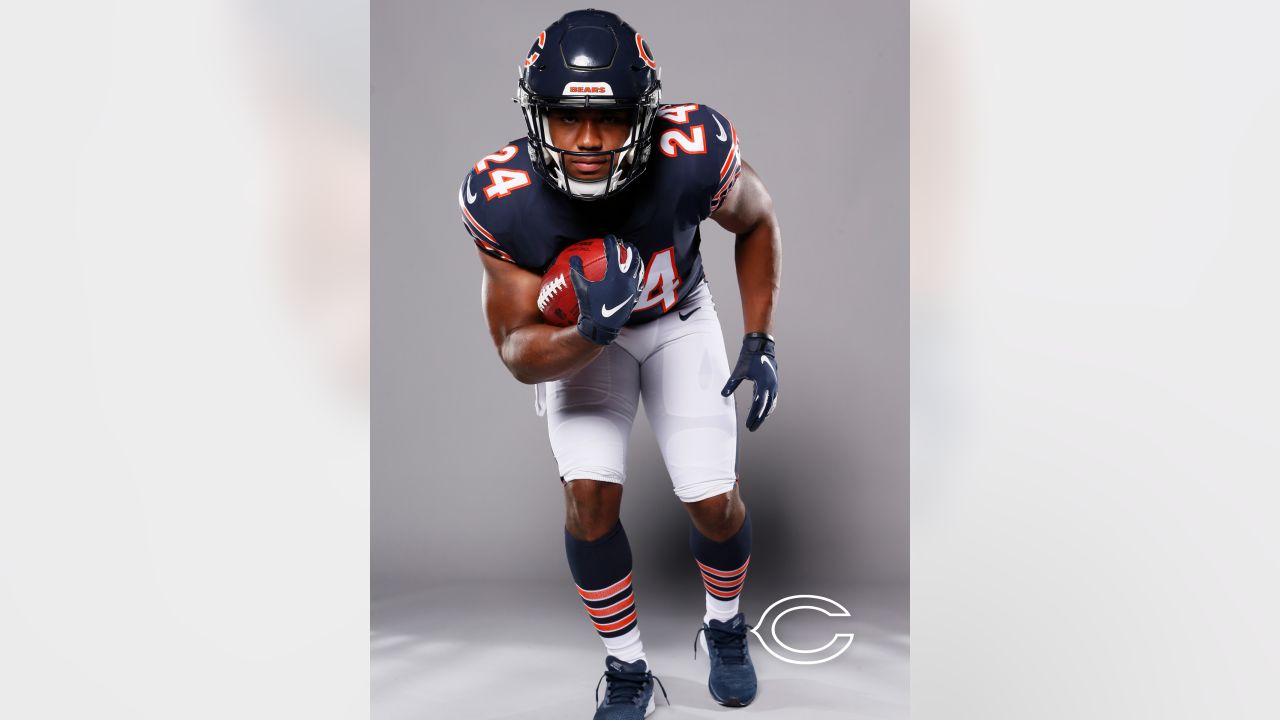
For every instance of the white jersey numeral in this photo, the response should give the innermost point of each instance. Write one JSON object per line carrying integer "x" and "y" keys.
{"x": 660, "y": 281}
{"x": 501, "y": 156}
{"x": 677, "y": 113}
{"x": 504, "y": 181}
{"x": 693, "y": 144}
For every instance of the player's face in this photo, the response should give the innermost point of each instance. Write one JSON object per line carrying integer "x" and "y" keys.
{"x": 588, "y": 131}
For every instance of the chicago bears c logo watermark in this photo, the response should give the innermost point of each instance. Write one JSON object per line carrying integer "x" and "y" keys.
{"x": 784, "y": 652}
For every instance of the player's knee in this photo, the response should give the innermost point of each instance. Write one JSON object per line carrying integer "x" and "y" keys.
{"x": 591, "y": 508}
{"x": 718, "y": 517}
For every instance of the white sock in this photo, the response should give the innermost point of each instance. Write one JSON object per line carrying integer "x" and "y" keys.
{"x": 722, "y": 610}
{"x": 626, "y": 647}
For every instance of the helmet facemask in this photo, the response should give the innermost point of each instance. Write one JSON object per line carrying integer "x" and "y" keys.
{"x": 626, "y": 163}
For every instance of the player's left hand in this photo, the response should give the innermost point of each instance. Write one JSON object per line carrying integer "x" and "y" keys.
{"x": 757, "y": 363}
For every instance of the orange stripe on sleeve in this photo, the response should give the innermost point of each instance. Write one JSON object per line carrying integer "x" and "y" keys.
{"x": 733, "y": 151}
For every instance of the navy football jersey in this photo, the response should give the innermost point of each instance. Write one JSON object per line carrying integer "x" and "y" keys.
{"x": 514, "y": 215}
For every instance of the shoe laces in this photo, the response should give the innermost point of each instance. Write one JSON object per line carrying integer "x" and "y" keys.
{"x": 729, "y": 645}
{"x": 624, "y": 688}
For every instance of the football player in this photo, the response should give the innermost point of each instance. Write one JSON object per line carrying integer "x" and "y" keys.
{"x": 604, "y": 157}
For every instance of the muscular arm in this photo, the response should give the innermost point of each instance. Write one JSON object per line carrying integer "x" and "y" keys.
{"x": 748, "y": 213}
{"x": 532, "y": 350}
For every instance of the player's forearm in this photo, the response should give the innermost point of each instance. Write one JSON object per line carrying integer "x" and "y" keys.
{"x": 539, "y": 352}
{"x": 758, "y": 255}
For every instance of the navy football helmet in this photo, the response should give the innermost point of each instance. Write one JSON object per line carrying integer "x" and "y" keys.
{"x": 589, "y": 59}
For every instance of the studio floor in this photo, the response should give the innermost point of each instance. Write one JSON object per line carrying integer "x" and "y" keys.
{"x": 476, "y": 651}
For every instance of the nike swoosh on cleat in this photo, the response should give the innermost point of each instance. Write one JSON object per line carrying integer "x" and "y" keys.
{"x": 608, "y": 311}
{"x": 684, "y": 316}
{"x": 721, "y": 137}
{"x": 470, "y": 197}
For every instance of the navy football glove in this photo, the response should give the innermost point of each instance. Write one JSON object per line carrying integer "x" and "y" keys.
{"x": 757, "y": 363}
{"x": 604, "y": 306}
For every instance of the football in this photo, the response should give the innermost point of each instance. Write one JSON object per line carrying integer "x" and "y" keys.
{"x": 556, "y": 299}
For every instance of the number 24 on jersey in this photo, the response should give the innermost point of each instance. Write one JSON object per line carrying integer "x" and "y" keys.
{"x": 501, "y": 180}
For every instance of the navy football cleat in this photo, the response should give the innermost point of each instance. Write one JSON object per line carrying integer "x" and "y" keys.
{"x": 732, "y": 681}
{"x": 629, "y": 693}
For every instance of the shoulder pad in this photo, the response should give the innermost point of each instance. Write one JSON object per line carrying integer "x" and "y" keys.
{"x": 706, "y": 140}
{"x": 489, "y": 213}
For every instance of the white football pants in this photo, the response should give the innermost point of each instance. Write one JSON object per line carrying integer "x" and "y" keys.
{"x": 678, "y": 367}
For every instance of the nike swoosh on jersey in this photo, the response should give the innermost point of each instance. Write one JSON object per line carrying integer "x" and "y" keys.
{"x": 683, "y": 316}
{"x": 470, "y": 197}
{"x": 721, "y": 137}
{"x": 608, "y": 311}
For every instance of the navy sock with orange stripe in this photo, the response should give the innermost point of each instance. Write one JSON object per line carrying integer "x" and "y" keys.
{"x": 724, "y": 569}
{"x": 602, "y": 571}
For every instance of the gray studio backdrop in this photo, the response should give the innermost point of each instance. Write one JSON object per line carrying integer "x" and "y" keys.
{"x": 464, "y": 483}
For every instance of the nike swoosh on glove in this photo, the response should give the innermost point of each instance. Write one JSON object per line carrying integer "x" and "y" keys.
{"x": 605, "y": 305}
{"x": 757, "y": 363}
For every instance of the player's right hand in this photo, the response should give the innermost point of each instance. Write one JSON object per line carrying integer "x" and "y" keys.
{"x": 605, "y": 305}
